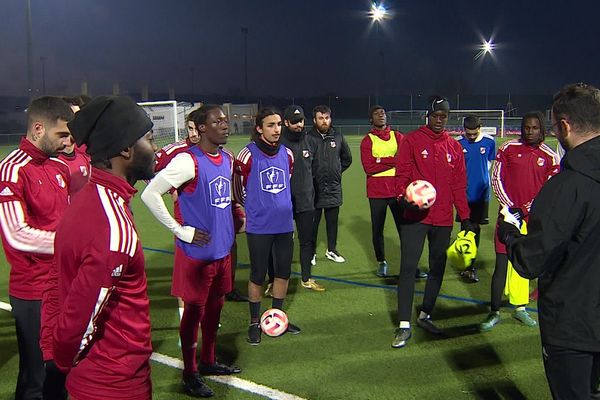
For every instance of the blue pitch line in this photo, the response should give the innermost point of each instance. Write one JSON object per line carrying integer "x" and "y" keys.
{"x": 363, "y": 284}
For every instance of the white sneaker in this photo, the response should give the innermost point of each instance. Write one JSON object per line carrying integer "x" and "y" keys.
{"x": 313, "y": 261}
{"x": 334, "y": 256}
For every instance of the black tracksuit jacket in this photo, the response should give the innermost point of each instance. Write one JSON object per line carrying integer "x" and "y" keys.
{"x": 303, "y": 191}
{"x": 562, "y": 248}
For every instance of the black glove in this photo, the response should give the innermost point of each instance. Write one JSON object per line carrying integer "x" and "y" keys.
{"x": 407, "y": 205}
{"x": 507, "y": 232}
{"x": 54, "y": 383}
{"x": 467, "y": 226}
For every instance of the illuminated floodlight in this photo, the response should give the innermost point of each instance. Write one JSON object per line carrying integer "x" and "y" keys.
{"x": 378, "y": 12}
{"x": 487, "y": 47}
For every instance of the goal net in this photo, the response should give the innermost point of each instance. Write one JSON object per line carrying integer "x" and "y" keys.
{"x": 169, "y": 120}
{"x": 492, "y": 121}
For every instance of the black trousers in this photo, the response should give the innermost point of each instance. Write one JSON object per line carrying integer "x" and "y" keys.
{"x": 304, "y": 227}
{"x": 499, "y": 281}
{"x": 378, "y": 213}
{"x": 30, "y": 381}
{"x": 331, "y": 224}
{"x": 412, "y": 240}
{"x": 571, "y": 374}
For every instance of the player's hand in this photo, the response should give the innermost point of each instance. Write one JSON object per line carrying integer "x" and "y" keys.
{"x": 201, "y": 238}
{"x": 517, "y": 213}
{"x": 467, "y": 225}
{"x": 54, "y": 384}
{"x": 408, "y": 205}
{"x": 509, "y": 226}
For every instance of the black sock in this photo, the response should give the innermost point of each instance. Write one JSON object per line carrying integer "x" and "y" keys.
{"x": 254, "y": 312}
{"x": 277, "y": 303}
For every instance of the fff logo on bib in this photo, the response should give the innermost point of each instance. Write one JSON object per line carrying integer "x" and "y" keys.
{"x": 220, "y": 192}
{"x": 272, "y": 180}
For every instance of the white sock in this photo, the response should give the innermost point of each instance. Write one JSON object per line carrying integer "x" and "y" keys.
{"x": 404, "y": 325}
{"x": 423, "y": 315}
{"x": 180, "y": 313}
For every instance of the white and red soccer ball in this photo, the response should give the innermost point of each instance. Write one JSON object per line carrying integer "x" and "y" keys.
{"x": 422, "y": 193}
{"x": 274, "y": 322}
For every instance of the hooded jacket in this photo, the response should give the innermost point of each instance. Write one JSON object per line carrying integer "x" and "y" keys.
{"x": 561, "y": 249}
{"x": 332, "y": 157}
{"x": 303, "y": 149}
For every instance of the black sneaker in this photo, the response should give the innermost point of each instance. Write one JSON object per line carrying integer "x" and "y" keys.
{"x": 236, "y": 296}
{"x": 194, "y": 385}
{"x": 293, "y": 329}
{"x": 421, "y": 274}
{"x": 218, "y": 369}
{"x": 254, "y": 334}
{"x": 402, "y": 336}
{"x": 428, "y": 325}
{"x": 470, "y": 275}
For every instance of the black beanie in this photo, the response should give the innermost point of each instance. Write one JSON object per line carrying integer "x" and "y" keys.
{"x": 438, "y": 103}
{"x": 108, "y": 125}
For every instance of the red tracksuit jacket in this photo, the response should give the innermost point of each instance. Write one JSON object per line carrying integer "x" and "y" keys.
{"x": 438, "y": 159}
{"x": 102, "y": 335}
{"x": 33, "y": 197}
{"x": 79, "y": 167}
{"x": 381, "y": 187}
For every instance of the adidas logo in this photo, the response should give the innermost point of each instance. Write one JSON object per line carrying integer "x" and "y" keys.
{"x": 425, "y": 153}
{"x": 6, "y": 192}
{"x": 296, "y": 111}
{"x": 465, "y": 151}
{"x": 439, "y": 101}
{"x": 117, "y": 271}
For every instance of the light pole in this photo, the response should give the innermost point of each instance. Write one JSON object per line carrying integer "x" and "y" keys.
{"x": 245, "y": 33}
{"x": 486, "y": 47}
{"x": 378, "y": 14}
{"x": 29, "y": 52}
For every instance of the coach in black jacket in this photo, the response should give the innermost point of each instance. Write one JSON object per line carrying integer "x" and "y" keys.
{"x": 562, "y": 248}
{"x": 331, "y": 159}
{"x": 295, "y": 138}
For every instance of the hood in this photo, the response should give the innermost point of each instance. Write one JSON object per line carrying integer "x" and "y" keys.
{"x": 585, "y": 159}
{"x": 431, "y": 134}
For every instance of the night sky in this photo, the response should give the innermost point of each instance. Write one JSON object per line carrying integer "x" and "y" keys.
{"x": 300, "y": 48}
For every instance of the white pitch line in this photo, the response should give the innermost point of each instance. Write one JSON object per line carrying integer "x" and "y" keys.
{"x": 229, "y": 380}
{"x": 242, "y": 384}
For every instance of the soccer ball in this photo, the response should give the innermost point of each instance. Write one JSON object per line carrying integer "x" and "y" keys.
{"x": 274, "y": 322}
{"x": 422, "y": 193}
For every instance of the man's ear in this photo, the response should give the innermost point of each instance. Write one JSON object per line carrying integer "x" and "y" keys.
{"x": 201, "y": 128}
{"x": 127, "y": 153}
{"x": 38, "y": 130}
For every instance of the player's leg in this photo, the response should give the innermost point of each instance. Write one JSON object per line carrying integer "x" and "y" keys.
{"x": 568, "y": 372}
{"x": 315, "y": 233}
{"x": 304, "y": 223}
{"x": 259, "y": 250}
{"x": 283, "y": 248}
{"x": 497, "y": 290}
{"x": 234, "y": 294}
{"x": 378, "y": 209}
{"x": 221, "y": 284}
{"x": 439, "y": 240}
{"x": 412, "y": 239}
{"x": 30, "y": 381}
{"x": 331, "y": 225}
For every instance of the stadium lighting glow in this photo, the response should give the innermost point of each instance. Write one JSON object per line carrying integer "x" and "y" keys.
{"x": 487, "y": 47}
{"x": 378, "y": 12}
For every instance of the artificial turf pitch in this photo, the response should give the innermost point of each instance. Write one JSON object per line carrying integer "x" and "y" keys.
{"x": 344, "y": 349}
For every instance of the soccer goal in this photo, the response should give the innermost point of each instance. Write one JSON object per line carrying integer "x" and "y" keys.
{"x": 492, "y": 121}
{"x": 169, "y": 120}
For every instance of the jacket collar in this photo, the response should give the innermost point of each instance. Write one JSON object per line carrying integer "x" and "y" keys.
{"x": 113, "y": 182}
{"x": 432, "y": 135}
{"x": 36, "y": 154}
{"x": 382, "y": 133}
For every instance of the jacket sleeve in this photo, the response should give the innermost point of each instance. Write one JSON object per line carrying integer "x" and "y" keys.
{"x": 498, "y": 176}
{"x": 370, "y": 164}
{"x": 405, "y": 165}
{"x": 14, "y": 220}
{"x": 549, "y": 232}
{"x": 241, "y": 172}
{"x": 345, "y": 155}
{"x": 82, "y": 312}
{"x": 459, "y": 184}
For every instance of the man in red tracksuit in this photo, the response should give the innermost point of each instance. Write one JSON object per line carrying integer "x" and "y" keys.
{"x": 102, "y": 335}
{"x": 76, "y": 157}
{"x": 33, "y": 197}
{"x": 521, "y": 168}
{"x": 378, "y": 152}
{"x": 430, "y": 154}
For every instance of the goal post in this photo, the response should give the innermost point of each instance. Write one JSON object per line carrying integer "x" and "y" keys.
{"x": 492, "y": 121}
{"x": 168, "y": 118}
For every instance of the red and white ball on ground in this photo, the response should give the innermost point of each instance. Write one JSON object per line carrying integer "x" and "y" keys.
{"x": 422, "y": 193}
{"x": 274, "y": 322}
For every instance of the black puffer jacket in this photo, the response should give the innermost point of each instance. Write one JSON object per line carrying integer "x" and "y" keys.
{"x": 333, "y": 157}
{"x": 303, "y": 191}
{"x": 562, "y": 249}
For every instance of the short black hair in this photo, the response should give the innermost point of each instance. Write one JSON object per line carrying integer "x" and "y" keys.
{"x": 48, "y": 109}
{"x": 373, "y": 109}
{"x": 260, "y": 117}
{"x": 579, "y": 104}
{"x": 200, "y": 114}
{"x": 471, "y": 122}
{"x": 322, "y": 108}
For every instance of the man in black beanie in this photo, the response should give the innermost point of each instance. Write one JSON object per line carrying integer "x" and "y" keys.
{"x": 100, "y": 261}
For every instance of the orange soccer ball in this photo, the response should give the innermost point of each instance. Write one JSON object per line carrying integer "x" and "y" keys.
{"x": 422, "y": 193}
